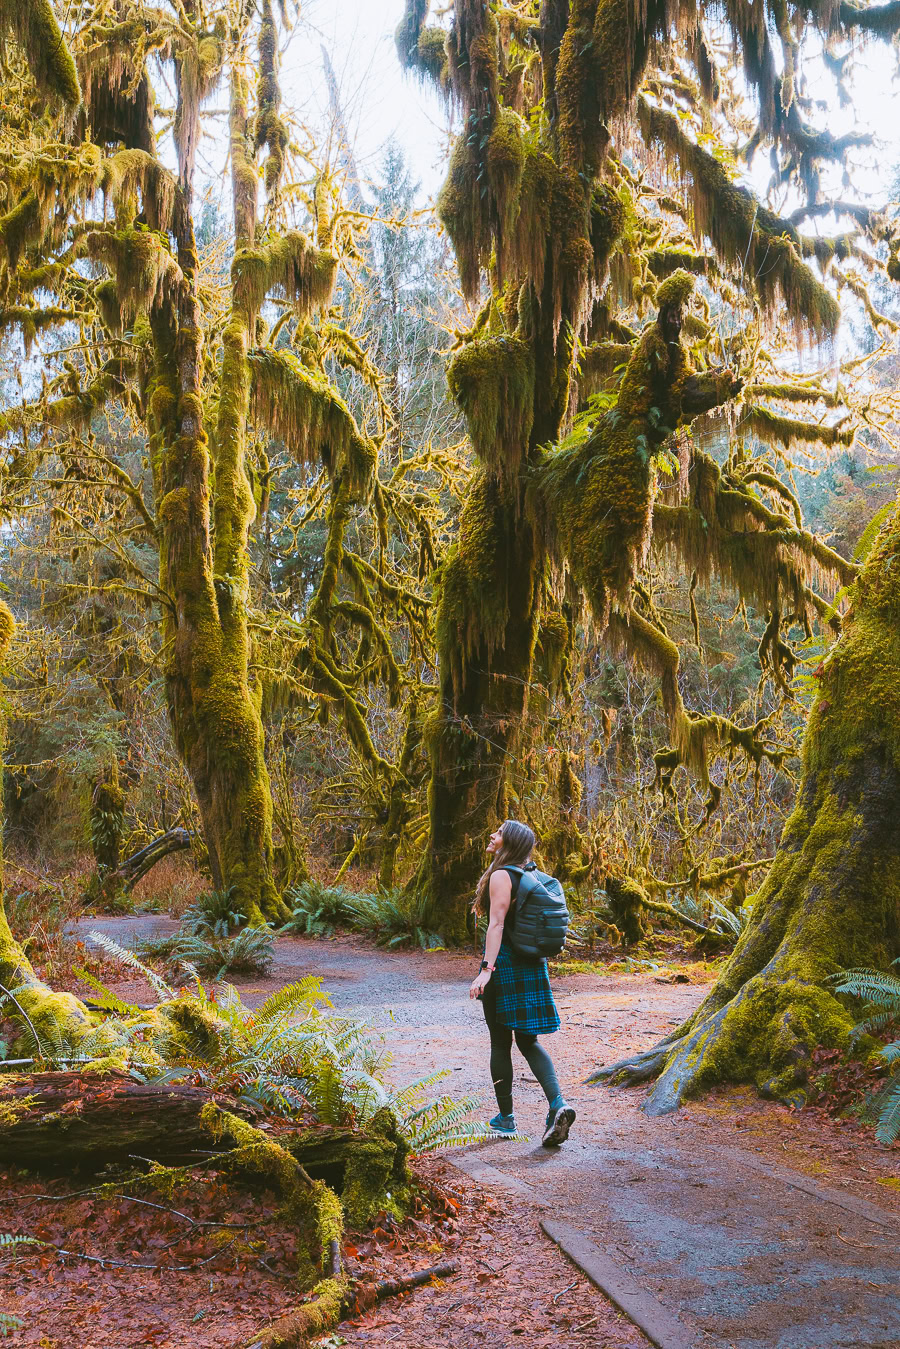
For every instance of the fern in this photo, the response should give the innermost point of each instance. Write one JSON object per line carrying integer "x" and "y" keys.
{"x": 249, "y": 951}
{"x": 318, "y": 908}
{"x": 882, "y": 992}
{"x": 213, "y": 914}
{"x": 10, "y": 1241}
{"x": 112, "y": 948}
{"x": 9, "y": 1323}
{"x": 872, "y": 530}
{"x": 306, "y": 993}
{"x": 105, "y": 999}
{"x": 732, "y": 921}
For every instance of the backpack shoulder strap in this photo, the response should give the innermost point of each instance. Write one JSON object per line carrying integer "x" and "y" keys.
{"x": 516, "y": 875}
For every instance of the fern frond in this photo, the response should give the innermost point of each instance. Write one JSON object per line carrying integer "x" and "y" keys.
{"x": 126, "y": 957}
{"x": 879, "y": 988}
{"x": 888, "y": 1128}
{"x": 305, "y": 993}
{"x": 9, "y": 1241}
{"x": 105, "y": 997}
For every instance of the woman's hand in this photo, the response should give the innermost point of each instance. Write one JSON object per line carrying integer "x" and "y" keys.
{"x": 479, "y": 983}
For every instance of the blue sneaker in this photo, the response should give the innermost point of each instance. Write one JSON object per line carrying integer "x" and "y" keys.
{"x": 559, "y": 1122}
{"x": 503, "y": 1124}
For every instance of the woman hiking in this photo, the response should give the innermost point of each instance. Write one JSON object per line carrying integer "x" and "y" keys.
{"x": 515, "y": 990}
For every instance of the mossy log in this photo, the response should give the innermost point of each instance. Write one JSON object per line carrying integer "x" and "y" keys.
{"x": 54, "y": 1121}
{"x": 831, "y": 900}
{"x": 58, "y": 1120}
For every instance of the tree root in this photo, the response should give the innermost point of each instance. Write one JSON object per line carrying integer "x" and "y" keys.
{"x": 765, "y": 1034}
{"x": 294, "y": 1330}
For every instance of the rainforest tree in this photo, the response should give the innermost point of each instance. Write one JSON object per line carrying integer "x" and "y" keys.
{"x": 180, "y": 343}
{"x": 544, "y": 204}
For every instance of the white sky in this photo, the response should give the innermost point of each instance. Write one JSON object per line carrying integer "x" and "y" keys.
{"x": 379, "y": 99}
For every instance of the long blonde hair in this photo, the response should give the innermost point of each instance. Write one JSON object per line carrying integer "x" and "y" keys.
{"x": 515, "y": 849}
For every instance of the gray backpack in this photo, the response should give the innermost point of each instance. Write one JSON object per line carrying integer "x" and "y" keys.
{"x": 539, "y": 921}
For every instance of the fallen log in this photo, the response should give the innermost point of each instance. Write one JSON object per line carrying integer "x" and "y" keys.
{"x": 53, "y": 1121}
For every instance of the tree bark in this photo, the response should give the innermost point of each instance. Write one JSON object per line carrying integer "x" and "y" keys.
{"x": 54, "y": 1121}
{"x": 832, "y": 898}
{"x": 213, "y": 706}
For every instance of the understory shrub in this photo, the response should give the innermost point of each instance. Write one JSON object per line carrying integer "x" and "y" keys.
{"x": 393, "y": 917}
{"x": 212, "y": 941}
{"x": 294, "y": 1056}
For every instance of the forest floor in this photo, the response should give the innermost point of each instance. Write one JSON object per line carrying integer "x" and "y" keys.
{"x": 756, "y": 1226}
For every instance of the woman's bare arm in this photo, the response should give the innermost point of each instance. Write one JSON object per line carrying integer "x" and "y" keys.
{"x": 501, "y": 898}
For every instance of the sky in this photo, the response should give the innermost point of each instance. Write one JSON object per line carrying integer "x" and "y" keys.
{"x": 380, "y": 100}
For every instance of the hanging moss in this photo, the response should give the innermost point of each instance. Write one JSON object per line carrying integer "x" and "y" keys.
{"x": 408, "y": 31}
{"x": 464, "y": 211}
{"x": 131, "y": 174}
{"x": 118, "y": 97}
{"x": 505, "y": 162}
{"x": 198, "y": 66}
{"x": 35, "y": 25}
{"x": 21, "y": 225}
{"x": 789, "y": 432}
{"x": 472, "y": 586}
{"x": 144, "y": 270}
{"x": 743, "y": 232}
{"x": 431, "y": 54}
{"x": 303, "y": 409}
{"x": 492, "y": 380}
{"x": 31, "y": 321}
{"x": 599, "y": 485}
{"x": 290, "y": 266}
{"x": 663, "y": 261}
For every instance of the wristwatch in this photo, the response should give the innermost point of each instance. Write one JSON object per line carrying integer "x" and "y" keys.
{"x": 486, "y": 966}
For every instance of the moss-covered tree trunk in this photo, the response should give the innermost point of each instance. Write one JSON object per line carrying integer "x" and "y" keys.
{"x": 47, "y": 1019}
{"x": 529, "y": 210}
{"x": 831, "y": 900}
{"x": 213, "y": 705}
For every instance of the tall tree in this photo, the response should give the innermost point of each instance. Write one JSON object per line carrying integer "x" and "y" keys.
{"x": 539, "y": 199}
{"x": 187, "y": 360}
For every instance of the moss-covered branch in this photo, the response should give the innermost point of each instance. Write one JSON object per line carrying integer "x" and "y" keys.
{"x": 744, "y": 233}
{"x": 35, "y": 26}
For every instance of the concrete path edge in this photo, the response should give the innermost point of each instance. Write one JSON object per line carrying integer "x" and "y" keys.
{"x": 661, "y": 1327}
{"x": 649, "y": 1315}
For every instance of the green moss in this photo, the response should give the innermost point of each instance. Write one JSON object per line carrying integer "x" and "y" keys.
{"x": 676, "y": 290}
{"x": 409, "y": 30}
{"x": 144, "y": 270}
{"x": 35, "y": 25}
{"x": 290, "y": 267}
{"x": 131, "y": 175}
{"x": 627, "y": 902}
{"x": 744, "y": 233}
{"x": 431, "y": 53}
{"x": 789, "y": 432}
{"x": 492, "y": 381}
{"x": 21, "y": 225}
{"x": 464, "y": 211}
{"x": 301, "y": 408}
{"x": 505, "y": 163}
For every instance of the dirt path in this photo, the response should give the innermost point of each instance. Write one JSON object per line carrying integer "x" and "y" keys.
{"x": 755, "y": 1226}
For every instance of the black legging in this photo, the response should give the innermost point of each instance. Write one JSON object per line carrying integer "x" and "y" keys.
{"x": 537, "y": 1058}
